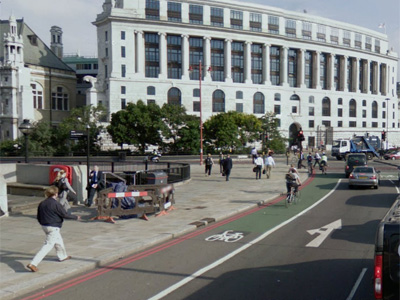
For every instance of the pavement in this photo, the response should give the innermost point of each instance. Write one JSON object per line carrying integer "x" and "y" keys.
{"x": 95, "y": 243}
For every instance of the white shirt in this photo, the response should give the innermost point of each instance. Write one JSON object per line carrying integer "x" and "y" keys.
{"x": 259, "y": 161}
{"x": 269, "y": 161}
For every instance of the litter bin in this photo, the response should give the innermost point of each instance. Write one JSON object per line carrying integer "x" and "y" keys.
{"x": 157, "y": 178}
{"x": 56, "y": 168}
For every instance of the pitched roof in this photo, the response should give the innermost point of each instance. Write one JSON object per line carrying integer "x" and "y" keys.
{"x": 36, "y": 51}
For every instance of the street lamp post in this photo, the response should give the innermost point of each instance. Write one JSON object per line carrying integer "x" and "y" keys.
{"x": 201, "y": 119}
{"x": 87, "y": 157}
{"x": 26, "y": 128}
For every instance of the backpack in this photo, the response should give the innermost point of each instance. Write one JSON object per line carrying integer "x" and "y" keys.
{"x": 290, "y": 177}
{"x": 208, "y": 161}
{"x": 309, "y": 158}
{"x": 62, "y": 186}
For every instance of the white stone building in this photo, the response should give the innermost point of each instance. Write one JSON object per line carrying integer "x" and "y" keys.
{"x": 315, "y": 73}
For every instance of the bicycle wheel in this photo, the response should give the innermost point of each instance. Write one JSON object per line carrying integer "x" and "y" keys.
{"x": 294, "y": 160}
{"x": 287, "y": 201}
{"x": 297, "y": 197}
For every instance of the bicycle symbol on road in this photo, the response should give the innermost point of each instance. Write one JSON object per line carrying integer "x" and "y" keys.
{"x": 228, "y": 236}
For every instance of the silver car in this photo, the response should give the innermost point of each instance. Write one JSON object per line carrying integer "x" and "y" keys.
{"x": 364, "y": 176}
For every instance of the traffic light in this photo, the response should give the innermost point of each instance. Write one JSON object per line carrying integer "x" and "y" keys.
{"x": 383, "y": 135}
{"x": 300, "y": 135}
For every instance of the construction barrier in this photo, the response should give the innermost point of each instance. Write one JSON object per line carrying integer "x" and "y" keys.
{"x": 155, "y": 199}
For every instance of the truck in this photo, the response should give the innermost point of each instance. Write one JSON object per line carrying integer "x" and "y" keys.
{"x": 356, "y": 144}
{"x": 387, "y": 252}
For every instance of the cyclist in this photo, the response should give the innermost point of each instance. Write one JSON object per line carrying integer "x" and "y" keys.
{"x": 317, "y": 158}
{"x": 323, "y": 163}
{"x": 292, "y": 180}
{"x": 309, "y": 162}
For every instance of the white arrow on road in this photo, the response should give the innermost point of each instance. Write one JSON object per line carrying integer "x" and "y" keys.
{"x": 324, "y": 232}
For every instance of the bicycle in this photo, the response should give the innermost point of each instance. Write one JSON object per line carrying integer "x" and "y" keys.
{"x": 323, "y": 167}
{"x": 293, "y": 197}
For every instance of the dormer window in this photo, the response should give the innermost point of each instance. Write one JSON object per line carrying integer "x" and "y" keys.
{"x": 33, "y": 39}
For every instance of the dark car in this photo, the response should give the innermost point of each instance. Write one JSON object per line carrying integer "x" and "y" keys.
{"x": 353, "y": 160}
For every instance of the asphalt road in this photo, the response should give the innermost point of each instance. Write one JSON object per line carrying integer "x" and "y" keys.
{"x": 324, "y": 253}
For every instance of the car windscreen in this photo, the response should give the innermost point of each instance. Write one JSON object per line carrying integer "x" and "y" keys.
{"x": 363, "y": 170}
{"x": 356, "y": 158}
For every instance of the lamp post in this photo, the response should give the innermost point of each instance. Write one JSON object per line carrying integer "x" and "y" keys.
{"x": 87, "y": 157}
{"x": 26, "y": 128}
{"x": 387, "y": 123}
{"x": 201, "y": 119}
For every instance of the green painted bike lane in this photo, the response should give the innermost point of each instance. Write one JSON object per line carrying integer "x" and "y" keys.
{"x": 268, "y": 216}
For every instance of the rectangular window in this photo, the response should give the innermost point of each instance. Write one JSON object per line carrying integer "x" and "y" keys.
{"x": 195, "y": 56}
{"x": 239, "y": 107}
{"x": 122, "y": 35}
{"x": 257, "y": 63}
{"x": 196, "y": 106}
{"x": 196, "y": 92}
{"x": 352, "y": 124}
{"x": 123, "y": 90}
{"x": 311, "y": 111}
{"x": 346, "y": 38}
{"x": 123, "y": 54}
{"x": 277, "y": 109}
{"x": 275, "y": 65}
{"x": 255, "y": 22}
{"x": 336, "y": 73}
{"x": 174, "y": 54}
{"x": 105, "y": 71}
{"x": 340, "y": 112}
{"x": 373, "y": 124}
{"x": 306, "y": 30}
{"x": 236, "y": 19}
{"x": 368, "y": 43}
{"x": 123, "y": 103}
{"x": 174, "y": 12}
{"x": 290, "y": 28}
{"x": 294, "y": 109}
{"x": 106, "y": 36}
{"x": 217, "y": 17}
{"x": 152, "y": 9}
{"x": 334, "y": 36}
{"x": 364, "y": 113}
{"x": 237, "y": 59}
{"x": 357, "y": 41}
{"x": 239, "y": 95}
{"x": 152, "y": 55}
{"x": 308, "y": 69}
{"x": 273, "y": 24}
{"x": 321, "y": 33}
{"x": 151, "y": 101}
{"x": 292, "y": 67}
{"x": 217, "y": 60}
{"x": 195, "y": 14}
{"x": 340, "y": 124}
{"x": 311, "y": 123}
{"x": 340, "y": 101}
{"x": 123, "y": 70}
{"x": 323, "y": 70}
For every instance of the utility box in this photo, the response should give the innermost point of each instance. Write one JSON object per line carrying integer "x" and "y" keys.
{"x": 157, "y": 178}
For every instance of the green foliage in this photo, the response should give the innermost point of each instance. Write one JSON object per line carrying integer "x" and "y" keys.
{"x": 270, "y": 126}
{"x": 138, "y": 125}
{"x": 188, "y": 140}
{"x": 41, "y": 140}
{"x": 8, "y": 148}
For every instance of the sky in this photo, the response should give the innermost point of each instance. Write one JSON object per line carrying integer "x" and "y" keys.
{"x": 75, "y": 17}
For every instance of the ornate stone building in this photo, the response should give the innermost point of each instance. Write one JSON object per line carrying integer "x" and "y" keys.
{"x": 34, "y": 83}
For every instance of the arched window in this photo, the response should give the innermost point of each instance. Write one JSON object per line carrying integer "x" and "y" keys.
{"x": 326, "y": 107}
{"x": 258, "y": 103}
{"x": 37, "y": 94}
{"x": 218, "y": 101}
{"x": 353, "y": 108}
{"x": 364, "y": 103}
{"x": 174, "y": 96}
{"x": 295, "y": 109}
{"x": 374, "y": 110}
{"x": 60, "y": 99}
{"x": 151, "y": 90}
{"x": 295, "y": 97}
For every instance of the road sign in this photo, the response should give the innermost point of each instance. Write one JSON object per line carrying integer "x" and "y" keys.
{"x": 77, "y": 135}
{"x": 324, "y": 232}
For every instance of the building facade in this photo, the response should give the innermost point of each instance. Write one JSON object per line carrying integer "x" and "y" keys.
{"x": 329, "y": 78}
{"x": 34, "y": 83}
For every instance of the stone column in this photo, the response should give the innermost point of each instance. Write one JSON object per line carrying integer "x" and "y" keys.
{"x": 228, "y": 60}
{"x": 266, "y": 68}
{"x": 185, "y": 57}
{"x": 343, "y": 76}
{"x": 140, "y": 56}
{"x": 331, "y": 72}
{"x": 163, "y": 56}
{"x": 355, "y": 75}
{"x": 284, "y": 66}
{"x": 207, "y": 58}
{"x": 378, "y": 79}
{"x": 367, "y": 77}
{"x": 247, "y": 62}
{"x": 317, "y": 70}
{"x": 301, "y": 72}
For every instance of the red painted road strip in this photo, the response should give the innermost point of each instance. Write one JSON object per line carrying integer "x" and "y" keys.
{"x": 73, "y": 282}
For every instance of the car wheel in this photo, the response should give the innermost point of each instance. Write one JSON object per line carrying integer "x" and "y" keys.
{"x": 376, "y": 187}
{"x": 393, "y": 158}
{"x": 351, "y": 187}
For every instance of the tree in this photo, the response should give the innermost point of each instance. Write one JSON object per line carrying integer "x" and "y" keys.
{"x": 41, "y": 140}
{"x": 270, "y": 127}
{"x": 138, "y": 124}
{"x": 188, "y": 134}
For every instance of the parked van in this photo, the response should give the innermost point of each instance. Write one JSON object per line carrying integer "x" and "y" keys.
{"x": 353, "y": 160}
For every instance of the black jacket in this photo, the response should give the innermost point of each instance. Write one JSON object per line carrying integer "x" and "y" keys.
{"x": 51, "y": 213}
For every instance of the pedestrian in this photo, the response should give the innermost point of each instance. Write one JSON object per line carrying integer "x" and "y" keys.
{"x": 96, "y": 183}
{"x": 254, "y": 154}
{"x": 300, "y": 162}
{"x": 50, "y": 215}
{"x": 269, "y": 164}
{"x": 228, "y": 165}
{"x": 208, "y": 164}
{"x": 64, "y": 187}
{"x": 317, "y": 158}
{"x": 259, "y": 166}
{"x": 221, "y": 160}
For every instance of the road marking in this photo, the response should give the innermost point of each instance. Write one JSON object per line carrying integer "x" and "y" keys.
{"x": 228, "y": 236}
{"x": 357, "y": 284}
{"x": 324, "y": 232}
{"x": 215, "y": 264}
